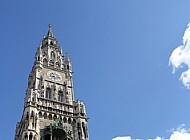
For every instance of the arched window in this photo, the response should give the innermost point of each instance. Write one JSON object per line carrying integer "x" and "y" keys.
{"x": 60, "y": 117}
{"x": 68, "y": 67}
{"x": 55, "y": 117}
{"x": 45, "y": 62}
{"x": 84, "y": 130}
{"x": 32, "y": 114}
{"x": 40, "y": 114}
{"x": 69, "y": 120}
{"x": 26, "y": 136}
{"x": 79, "y": 130}
{"x": 78, "y": 125}
{"x": 74, "y": 121}
{"x": 65, "y": 120}
{"x": 45, "y": 115}
{"x": 30, "y": 136}
{"x": 52, "y": 55}
{"x": 27, "y": 116}
{"x": 79, "y": 134}
{"x": 48, "y": 93}
{"x": 50, "y": 117}
{"x": 38, "y": 58}
{"x": 60, "y": 96}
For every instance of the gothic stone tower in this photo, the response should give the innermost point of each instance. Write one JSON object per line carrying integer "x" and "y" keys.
{"x": 50, "y": 112}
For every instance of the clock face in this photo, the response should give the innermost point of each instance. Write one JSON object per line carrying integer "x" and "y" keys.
{"x": 53, "y": 75}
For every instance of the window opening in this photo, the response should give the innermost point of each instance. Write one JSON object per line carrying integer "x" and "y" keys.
{"x": 48, "y": 93}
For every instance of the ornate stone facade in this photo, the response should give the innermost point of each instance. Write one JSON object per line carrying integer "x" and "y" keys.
{"x": 50, "y": 112}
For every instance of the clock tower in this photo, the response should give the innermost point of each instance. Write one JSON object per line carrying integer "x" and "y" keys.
{"x": 50, "y": 111}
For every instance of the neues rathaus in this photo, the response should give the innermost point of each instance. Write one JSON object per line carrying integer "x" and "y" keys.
{"x": 50, "y": 111}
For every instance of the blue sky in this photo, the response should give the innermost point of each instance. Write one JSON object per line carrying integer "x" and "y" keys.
{"x": 120, "y": 51}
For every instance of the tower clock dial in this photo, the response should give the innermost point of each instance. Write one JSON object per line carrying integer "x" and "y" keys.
{"x": 53, "y": 75}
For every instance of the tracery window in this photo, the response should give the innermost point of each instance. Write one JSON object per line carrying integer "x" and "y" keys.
{"x": 48, "y": 93}
{"x": 60, "y": 96}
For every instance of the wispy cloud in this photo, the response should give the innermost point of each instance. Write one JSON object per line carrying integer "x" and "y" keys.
{"x": 180, "y": 57}
{"x": 177, "y": 134}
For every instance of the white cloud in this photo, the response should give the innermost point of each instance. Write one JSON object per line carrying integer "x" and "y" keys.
{"x": 129, "y": 138}
{"x": 179, "y": 134}
{"x": 122, "y": 138}
{"x": 180, "y": 57}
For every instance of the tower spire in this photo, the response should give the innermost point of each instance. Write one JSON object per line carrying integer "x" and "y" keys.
{"x": 50, "y": 33}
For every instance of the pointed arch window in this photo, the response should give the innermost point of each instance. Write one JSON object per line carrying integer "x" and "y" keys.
{"x": 40, "y": 114}
{"x": 69, "y": 121}
{"x": 65, "y": 120}
{"x": 45, "y": 115}
{"x": 50, "y": 117}
{"x": 32, "y": 114}
{"x": 30, "y": 136}
{"x": 79, "y": 131}
{"x": 38, "y": 58}
{"x": 60, "y": 96}
{"x": 26, "y": 136}
{"x": 52, "y": 55}
{"x": 48, "y": 93}
{"x": 68, "y": 67}
{"x": 55, "y": 117}
{"x": 84, "y": 130}
{"x": 44, "y": 62}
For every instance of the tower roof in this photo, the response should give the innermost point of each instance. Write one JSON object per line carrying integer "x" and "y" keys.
{"x": 50, "y": 33}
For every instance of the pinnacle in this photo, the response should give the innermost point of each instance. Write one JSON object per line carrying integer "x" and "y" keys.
{"x": 49, "y": 34}
{"x": 67, "y": 57}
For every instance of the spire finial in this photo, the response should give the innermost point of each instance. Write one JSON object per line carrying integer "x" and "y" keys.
{"x": 49, "y": 34}
{"x": 49, "y": 26}
{"x": 67, "y": 57}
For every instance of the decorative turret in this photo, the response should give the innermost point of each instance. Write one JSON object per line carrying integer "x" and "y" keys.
{"x": 68, "y": 66}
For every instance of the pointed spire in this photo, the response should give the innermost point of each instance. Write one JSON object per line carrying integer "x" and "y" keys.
{"x": 49, "y": 34}
{"x": 67, "y": 57}
{"x": 67, "y": 64}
